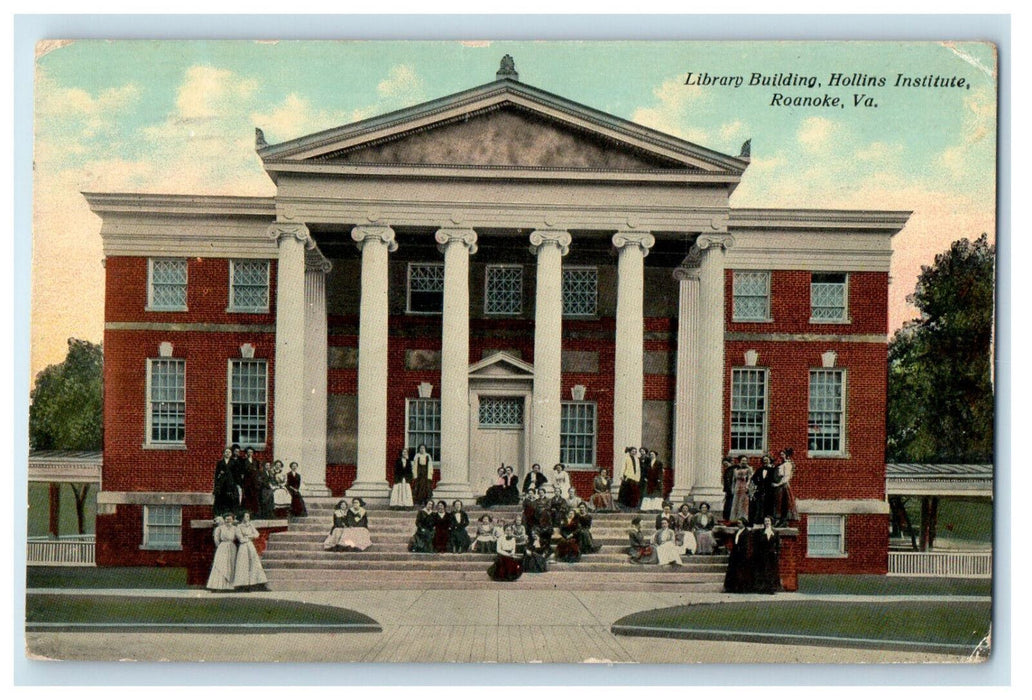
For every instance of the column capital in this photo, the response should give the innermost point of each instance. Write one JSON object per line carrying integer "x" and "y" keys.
{"x": 643, "y": 239}
{"x": 382, "y": 234}
{"x": 465, "y": 236}
{"x": 719, "y": 241}
{"x": 287, "y": 229}
{"x": 561, "y": 239}
{"x": 689, "y": 268}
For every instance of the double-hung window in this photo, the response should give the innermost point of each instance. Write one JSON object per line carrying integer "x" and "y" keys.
{"x": 751, "y": 295}
{"x": 828, "y": 297}
{"x": 248, "y": 402}
{"x": 166, "y": 401}
{"x": 577, "y": 434}
{"x": 162, "y": 527}
{"x": 166, "y": 284}
{"x": 249, "y": 286}
{"x": 826, "y": 428}
{"x": 424, "y": 425}
{"x": 825, "y": 535}
{"x": 580, "y": 291}
{"x": 749, "y": 410}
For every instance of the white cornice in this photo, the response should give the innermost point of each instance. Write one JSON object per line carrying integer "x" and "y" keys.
{"x": 163, "y": 204}
{"x": 867, "y": 220}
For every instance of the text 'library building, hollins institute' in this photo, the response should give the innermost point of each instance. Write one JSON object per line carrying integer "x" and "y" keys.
{"x": 507, "y": 277}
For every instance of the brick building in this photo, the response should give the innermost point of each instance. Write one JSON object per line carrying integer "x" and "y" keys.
{"x": 508, "y": 277}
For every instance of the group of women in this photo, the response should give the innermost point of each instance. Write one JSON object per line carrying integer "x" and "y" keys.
{"x": 764, "y": 493}
{"x": 236, "y": 566}
{"x": 642, "y": 479}
{"x": 242, "y": 483}
{"x": 350, "y": 531}
{"x": 752, "y": 565}
{"x": 413, "y": 478}
{"x": 677, "y": 534}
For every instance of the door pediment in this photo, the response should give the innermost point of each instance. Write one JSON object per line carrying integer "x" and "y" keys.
{"x": 501, "y": 366}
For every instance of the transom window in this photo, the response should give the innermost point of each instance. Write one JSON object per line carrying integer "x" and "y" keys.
{"x": 751, "y": 292}
{"x": 248, "y": 402}
{"x": 166, "y": 389}
{"x": 249, "y": 285}
{"x": 501, "y": 412}
{"x": 828, "y": 296}
{"x": 825, "y": 535}
{"x": 827, "y": 408}
{"x": 166, "y": 290}
{"x": 748, "y": 410}
{"x": 424, "y": 425}
{"x": 504, "y": 290}
{"x": 425, "y": 288}
{"x": 580, "y": 291}
{"x": 162, "y": 527}
{"x": 577, "y": 434}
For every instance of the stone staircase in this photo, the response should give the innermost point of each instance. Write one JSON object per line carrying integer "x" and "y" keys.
{"x": 295, "y": 560}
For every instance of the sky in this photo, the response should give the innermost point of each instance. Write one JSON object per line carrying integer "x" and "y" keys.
{"x": 179, "y": 117}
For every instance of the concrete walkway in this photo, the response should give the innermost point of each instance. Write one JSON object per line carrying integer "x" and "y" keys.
{"x": 512, "y": 626}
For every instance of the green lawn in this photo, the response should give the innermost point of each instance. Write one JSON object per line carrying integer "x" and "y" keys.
{"x": 892, "y": 585}
{"x": 929, "y": 623}
{"x": 143, "y": 613}
{"x": 105, "y": 577}
{"x": 959, "y": 518}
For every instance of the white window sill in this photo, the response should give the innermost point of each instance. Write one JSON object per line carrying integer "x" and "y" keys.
{"x": 831, "y": 321}
{"x": 751, "y": 320}
{"x": 255, "y": 310}
{"x": 163, "y": 446}
{"x": 166, "y": 309}
{"x": 840, "y": 555}
{"x": 827, "y": 455}
{"x": 161, "y": 548}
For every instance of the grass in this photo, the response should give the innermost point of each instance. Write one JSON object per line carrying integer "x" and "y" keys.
{"x": 136, "y": 612}
{"x": 918, "y": 622}
{"x": 892, "y": 585}
{"x": 970, "y": 520}
{"x": 86, "y": 577}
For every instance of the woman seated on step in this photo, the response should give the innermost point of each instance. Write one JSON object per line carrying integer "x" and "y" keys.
{"x": 442, "y": 527}
{"x": 486, "y": 539}
{"x": 506, "y": 566}
{"x": 535, "y": 559}
{"x": 702, "y": 526}
{"x": 584, "y": 539}
{"x": 567, "y": 547}
{"x": 423, "y": 541}
{"x": 498, "y": 493}
{"x": 458, "y": 534}
{"x": 350, "y": 531}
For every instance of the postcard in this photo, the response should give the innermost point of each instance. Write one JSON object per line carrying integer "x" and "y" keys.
{"x": 512, "y": 352}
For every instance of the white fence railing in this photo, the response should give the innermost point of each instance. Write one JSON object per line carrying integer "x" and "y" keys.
{"x": 73, "y": 551}
{"x": 949, "y": 564}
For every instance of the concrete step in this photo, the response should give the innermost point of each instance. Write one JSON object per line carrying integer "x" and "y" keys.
{"x": 466, "y": 564}
{"x": 373, "y": 554}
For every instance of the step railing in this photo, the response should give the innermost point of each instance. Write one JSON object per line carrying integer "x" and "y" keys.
{"x": 947, "y": 564}
{"x": 77, "y": 550}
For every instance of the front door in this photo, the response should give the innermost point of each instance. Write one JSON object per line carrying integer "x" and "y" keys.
{"x": 497, "y": 439}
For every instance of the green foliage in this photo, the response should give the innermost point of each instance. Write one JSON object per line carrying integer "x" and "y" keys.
{"x": 67, "y": 403}
{"x": 940, "y": 406}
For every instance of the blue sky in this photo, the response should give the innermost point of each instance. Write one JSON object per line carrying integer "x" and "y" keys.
{"x": 160, "y": 116}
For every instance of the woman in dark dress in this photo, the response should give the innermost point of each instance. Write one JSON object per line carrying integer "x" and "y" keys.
{"x": 535, "y": 560}
{"x": 544, "y": 525}
{"x": 639, "y": 548}
{"x": 253, "y": 475}
{"x": 423, "y": 541}
{"x": 227, "y": 498}
{"x": 401, "y": 491}
{"x": 297, "y": 504}
{"x": 269, "y": 481}
{"x": 584, "y": 539}
{"x": 422, "y": 484}
{"x": 762, "y": 487}
{"x": 512, "y": 486}
{"x": 458, "y": 535}
{"x": 497, "y": 494}
{"x": 652, "y": 497}
{"x": 442, "y": 527}
{"x": 506, "y": 566}
{"x": 740, "y": 569}
{"x": 567, "y": 548}
{"x": 766, "y": 547}
{"x": 602, "y": 498}
{"x": 629, "y": 495}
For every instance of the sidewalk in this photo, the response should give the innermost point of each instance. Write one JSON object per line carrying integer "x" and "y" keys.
{"x": 513, "y": 626}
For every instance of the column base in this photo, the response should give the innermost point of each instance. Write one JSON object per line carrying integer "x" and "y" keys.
{"x": 315, "y": 490}
{"x": 456, "y": 490}
{"x": 714, "y": 495}
{"x": 680, "y": 494}
{"x": 372, "y": 492}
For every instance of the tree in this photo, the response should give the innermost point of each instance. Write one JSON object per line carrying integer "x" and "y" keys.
{"x": 940, "y": 406}
{"x": 66, "y": 412}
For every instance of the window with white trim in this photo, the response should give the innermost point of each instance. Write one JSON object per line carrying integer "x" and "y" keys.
{"x": 580, "y": 291}
{"x": 826, "y": 424}
{"x": 751, "y": 296}
{"x": 503, "y": 289}
{"x": 166, "y": 284}
{"x": 425, "y": 288}
{"x": 828, "y": 295}
{"x": 577, "y": 428}
{"x": 249, "y": 286}
{"x": 501, "y": 412}
{"x": 424, "y": 425}
{"x": 749, "y": 410}
{"x": 825, "y": 535}
{"x": 162, "y": 527}
{"x": 248, "y": 402}
{"x": 166, "y": 401}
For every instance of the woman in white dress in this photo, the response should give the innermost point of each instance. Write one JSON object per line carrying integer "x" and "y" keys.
{"x": 561, "y": 481}
{"x": 350, "y": 531}
{"x": 249, "y": 573}
{"x": 224, "y": 564}
{"x": 665, "y": 545}
{"x": 401, "y": 492}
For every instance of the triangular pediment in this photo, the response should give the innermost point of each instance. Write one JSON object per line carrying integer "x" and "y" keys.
{"x": 506, "y": 125}
{"x": 501, "y": 366}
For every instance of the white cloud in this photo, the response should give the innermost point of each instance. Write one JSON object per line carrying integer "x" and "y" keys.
{"x": 879, "y": 151}
{"x": 815, "y": 133}
{"x": 731, "y": 130}
{"x": 671, "y": 113}
{"x": 74, "y": 112}
{"x": 401, "y": 82}
{"x": 209, "y": 92}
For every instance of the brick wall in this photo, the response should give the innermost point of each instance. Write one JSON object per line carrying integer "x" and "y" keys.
{"x": 867, "y": 548}
{"x": 120, "y": 535}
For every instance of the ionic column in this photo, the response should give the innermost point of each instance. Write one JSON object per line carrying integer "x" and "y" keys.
{"x": 686, "y": 397}
{"x": 289, "y": 370}
{"x": 709, "y": 416}
{"x": 371, "y": 481}
{"x": 312, "y": 465}
{"x": 457, "y": 245}
{"x": 550, "y": 247}
{"x": 629, "y": 385}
